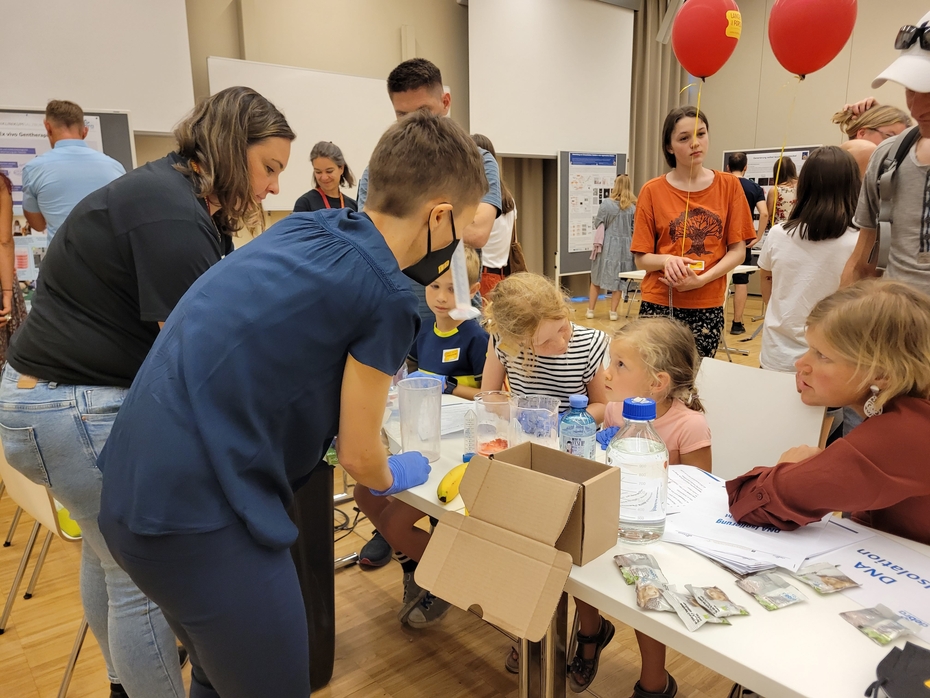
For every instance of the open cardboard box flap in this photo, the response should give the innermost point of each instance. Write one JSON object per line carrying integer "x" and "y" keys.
{"x": 531, "y": 503}
{"x": 500, "y": 560}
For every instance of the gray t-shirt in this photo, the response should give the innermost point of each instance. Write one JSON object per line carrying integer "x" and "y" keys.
{"x": 909, "y": 256}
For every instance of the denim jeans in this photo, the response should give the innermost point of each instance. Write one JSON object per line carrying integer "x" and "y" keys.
{"x": 53, "y": 434}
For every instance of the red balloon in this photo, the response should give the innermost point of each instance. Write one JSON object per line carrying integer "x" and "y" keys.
{"x": 704, "y": 35}
{"x": 807, "y": 34}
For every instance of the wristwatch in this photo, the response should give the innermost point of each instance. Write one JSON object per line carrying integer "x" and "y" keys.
{"x": 451, "y": 384}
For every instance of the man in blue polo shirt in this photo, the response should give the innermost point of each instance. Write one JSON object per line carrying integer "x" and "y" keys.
{"x": 57, "y": 180}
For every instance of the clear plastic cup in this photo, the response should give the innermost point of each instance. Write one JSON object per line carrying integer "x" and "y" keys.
{"x": 534, "y": 418}
{"x": 492, "y": 421}
{"x": 420, "y": 416}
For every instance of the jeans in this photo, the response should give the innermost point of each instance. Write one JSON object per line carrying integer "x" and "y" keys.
{"x": 235, "y": 605}
{"x": 53, "y": 434}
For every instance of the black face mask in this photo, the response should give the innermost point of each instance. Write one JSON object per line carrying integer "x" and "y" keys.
{"x": 436, "y": 262}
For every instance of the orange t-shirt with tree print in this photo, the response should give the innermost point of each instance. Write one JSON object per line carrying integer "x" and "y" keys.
{"x": 718, "y": 217}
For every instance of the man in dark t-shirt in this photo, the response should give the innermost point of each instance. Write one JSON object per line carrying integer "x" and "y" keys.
{"x": 755, "y": 197}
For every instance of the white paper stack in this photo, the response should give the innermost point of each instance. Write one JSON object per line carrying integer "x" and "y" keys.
{"x": 703, "y": 524}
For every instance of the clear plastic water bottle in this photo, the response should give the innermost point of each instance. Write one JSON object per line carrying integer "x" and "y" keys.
{"x": 577, "y": 429}
{"x": 643, "y": 461}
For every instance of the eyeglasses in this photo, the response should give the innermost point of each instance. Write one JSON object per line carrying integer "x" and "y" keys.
{"x": 908, "y": 36}
{"x": 885, "y": 135}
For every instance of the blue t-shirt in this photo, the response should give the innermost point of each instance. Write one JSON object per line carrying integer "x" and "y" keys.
{"x": 57, "y": 180}
{"x": 239, "y": 397}
{"x": 460, "y": 352}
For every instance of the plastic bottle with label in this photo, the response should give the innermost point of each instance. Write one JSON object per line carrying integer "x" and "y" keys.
{"x": 577, "y": 429}
{"x": 642, "y": 457}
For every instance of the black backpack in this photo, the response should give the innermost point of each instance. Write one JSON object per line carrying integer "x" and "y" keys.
{"x": 903, "y": 673}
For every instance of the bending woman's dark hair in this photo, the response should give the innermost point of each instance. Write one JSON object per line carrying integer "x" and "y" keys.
{"x": 215, "y": 137}
{"x": 827, "y": 195}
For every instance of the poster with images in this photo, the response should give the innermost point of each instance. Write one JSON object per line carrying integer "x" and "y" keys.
{"x": 590, "y": 179}
{"x": 23, "y": 138}
{"x": 29, "y": 251}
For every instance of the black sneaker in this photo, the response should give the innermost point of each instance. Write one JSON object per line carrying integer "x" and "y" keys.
{"x": 737, "y": 328}
{"x": 376, "y": 552}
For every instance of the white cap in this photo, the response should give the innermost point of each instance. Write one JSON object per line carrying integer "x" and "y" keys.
{"x": 911, "y": 68}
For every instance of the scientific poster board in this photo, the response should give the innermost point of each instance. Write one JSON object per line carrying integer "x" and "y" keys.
{"x": 23, "y": 138}
{"x": 29, "y": 251}
{"x": 585, "y": 180}
{"x": 761, "y": 162}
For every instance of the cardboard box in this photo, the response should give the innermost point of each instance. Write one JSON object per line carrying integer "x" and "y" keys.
{"x": 531, "y": 510}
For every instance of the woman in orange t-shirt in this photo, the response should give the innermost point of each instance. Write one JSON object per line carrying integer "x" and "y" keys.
{"x": 689, "y": 216}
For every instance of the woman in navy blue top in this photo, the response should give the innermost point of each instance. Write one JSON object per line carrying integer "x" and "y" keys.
{"x": 291, "y": 341}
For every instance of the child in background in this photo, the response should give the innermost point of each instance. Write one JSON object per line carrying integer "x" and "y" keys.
{"x": 451, "y": 350}
{"x": 536, "y": 347}
{"x": 653, "y": 357}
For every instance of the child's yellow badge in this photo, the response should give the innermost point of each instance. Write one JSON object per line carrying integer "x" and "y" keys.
{"x": 450, "y": 355}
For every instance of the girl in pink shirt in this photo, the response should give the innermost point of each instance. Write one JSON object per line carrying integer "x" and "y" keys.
{"x": 653, "y": 357}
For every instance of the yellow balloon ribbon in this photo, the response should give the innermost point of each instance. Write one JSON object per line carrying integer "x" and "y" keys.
{"x": 784, "y": 144}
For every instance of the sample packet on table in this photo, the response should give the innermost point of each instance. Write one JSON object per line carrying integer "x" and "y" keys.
{"x": 715, "y": 600}
{"x": 771, "y": 591}
{"x": 649, "y": 587}
{"x": 692, "y": 614}
{"x": 630, "y": 562}
{"x": 824, "y": 578}
{"x": 881, "y": 624}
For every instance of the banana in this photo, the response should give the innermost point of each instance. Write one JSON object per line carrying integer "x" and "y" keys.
{"x": 449, "y": 486}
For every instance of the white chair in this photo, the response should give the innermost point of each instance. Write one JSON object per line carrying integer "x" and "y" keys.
{"x": 754, "y": 416}
{"x": 36, "y": 501}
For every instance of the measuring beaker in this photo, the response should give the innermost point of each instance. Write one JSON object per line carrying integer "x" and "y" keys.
{"x": 420, "y": 415}
{"x": 534, "y": 418}
{"x": 492, "y": 421}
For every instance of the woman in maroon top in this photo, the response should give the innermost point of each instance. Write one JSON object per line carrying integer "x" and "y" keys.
{"x": 869, "y": 348}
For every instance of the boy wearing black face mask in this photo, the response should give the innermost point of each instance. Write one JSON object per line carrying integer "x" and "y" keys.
{"x": 269, "y": 354}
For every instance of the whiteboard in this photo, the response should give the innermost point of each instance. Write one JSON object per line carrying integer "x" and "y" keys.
{"x": 352, "y": 112}
{"x": 550, "y": 75}
{"x": 105, "y": 55}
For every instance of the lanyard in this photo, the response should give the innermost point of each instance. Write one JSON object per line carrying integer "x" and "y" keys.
{"x": 342, "y": 201}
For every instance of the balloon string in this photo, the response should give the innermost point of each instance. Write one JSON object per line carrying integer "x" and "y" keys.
{"x": 784, "y": 143}
{"x": 684, "y": 231}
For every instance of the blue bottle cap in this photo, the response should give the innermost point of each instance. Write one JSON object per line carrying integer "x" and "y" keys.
{"x": 467, "y": 457}
{"x": 578, "y": 402}
{"x": 640, "y": 409}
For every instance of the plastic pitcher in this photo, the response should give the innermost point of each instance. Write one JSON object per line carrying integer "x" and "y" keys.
{"x": 492, "y": 421}
{"x": 534, "y": 418}
{"x": 420, "y": 415}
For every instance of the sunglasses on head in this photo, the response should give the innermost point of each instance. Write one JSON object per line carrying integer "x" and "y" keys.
{"x": 908, "y": 36}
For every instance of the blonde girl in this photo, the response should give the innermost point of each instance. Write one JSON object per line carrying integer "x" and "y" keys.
{"x": 869, "y": 345}
{"x": 536, "y": 347}
{"x": 615, "y": 214}
{"x": 653, "y": 357}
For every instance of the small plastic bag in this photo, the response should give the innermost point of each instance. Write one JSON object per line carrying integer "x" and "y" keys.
{"x": 771, "y": 591}
{"x": 649, "y": 587}
{"x": 825, "y": 578}
{"x": 463, "y": 309}
{"x": 715, "y": 600}
{"x": 687, "y": 608}
{"x": 628, "y": 562}
{"x": 881, "y": 624}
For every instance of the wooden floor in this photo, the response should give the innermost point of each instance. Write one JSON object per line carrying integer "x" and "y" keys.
{"x": 375, "y": 655}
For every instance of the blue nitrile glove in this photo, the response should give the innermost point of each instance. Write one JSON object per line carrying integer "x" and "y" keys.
{"x": 409, "y": 470}
{"x": 422, "y": 374}
{"x": 605, "y": 435}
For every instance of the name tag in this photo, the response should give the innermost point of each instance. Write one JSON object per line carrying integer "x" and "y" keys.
{"x": 450, "y": 355}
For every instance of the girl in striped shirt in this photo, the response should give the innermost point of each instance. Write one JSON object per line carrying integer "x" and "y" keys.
{"x": 538, "y": 349}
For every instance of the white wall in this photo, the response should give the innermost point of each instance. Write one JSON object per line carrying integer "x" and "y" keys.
{"x": 550, "y": 75}
{"x": 749, "y": 101}
{"x": 108, "y": 54}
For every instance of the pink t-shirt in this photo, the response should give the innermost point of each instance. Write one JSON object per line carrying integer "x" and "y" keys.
{"x": 682, "y": 429}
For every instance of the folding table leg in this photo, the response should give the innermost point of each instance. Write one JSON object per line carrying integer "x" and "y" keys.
{"x": 555, "y": 646}
{"x": 18, "y": 579}
{"x": 531, "y": 677}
